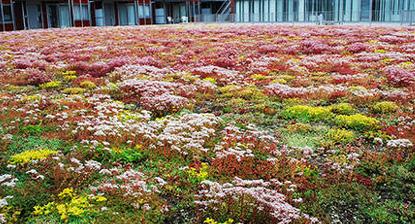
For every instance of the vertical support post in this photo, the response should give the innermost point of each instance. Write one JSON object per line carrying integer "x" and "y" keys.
{"x": 12, "y": 11}
{"x": 143, "y": 4}
{"x": 2, "y": 15}
{"x": 89, "y": 13}
{"x": 151, "y": 13}
{"x": 301, "y": 10}
{"x": 73, "y": 13}
{"x": 81, "y": 14}
{"x": 370, "y": 11}
{"x": 70, "y": 14}
{"x": 24, "y": 15}
{"x": 137, "y": 22}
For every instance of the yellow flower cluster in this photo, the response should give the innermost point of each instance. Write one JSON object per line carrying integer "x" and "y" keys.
{"x": 69, "y": 75}
{"x": 72, "y": 205}
{"x": 27, "y": 156}
{"x": 212, "y": 221}
{"x": 51, "y": 85}
{"x": 341, "y": 136}
{"x": 307, "y": 113}
{"x": 385, "y": 107}
{"x": 88, "y": 85}
{"x": 358, "y": 122}
{"x": 73, "y": 90}
{"x": 200, "y": 175}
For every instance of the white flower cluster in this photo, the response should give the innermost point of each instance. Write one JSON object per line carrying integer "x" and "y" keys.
{"x": 8, "y": 180}
{"x": 157, "y": 96}
{"x": 109, "y": 120}
{"x": 282, "y": 90}
{"x": 399, "y": 143}
{"x": 164, "y": 102}
{"x": 221, "y": 75}
{"x": 240, "y": 143}
{"x": 262, "y": 192}
{"x": 149, "y": 88}
{"x": 130, "y": 183}
{"x": 188, "y": 133}
{"x": 349, "y": 77}
{"x": 126, "y": 72}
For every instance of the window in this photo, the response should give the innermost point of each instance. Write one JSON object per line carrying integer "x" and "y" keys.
{"x": 7, "y": 12}
{"x": 81, "y": 12}
{"x": 144, "y": 11}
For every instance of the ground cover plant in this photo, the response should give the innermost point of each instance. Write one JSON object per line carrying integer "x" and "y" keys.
{"x": 208, "y": 124}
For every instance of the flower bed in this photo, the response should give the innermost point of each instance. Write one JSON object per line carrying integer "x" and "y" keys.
{"x": 208, "y": 124}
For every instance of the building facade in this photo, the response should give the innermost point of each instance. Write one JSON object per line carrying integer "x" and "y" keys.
{"x": 34, "y": 14}
{"x": 326, "y": 10}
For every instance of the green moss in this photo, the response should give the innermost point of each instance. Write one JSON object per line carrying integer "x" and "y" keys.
{"x": 347, "y": 201}
{"x": 392, "y": 211}
{"x": 302, "y": 140}
{"x": 23, "y": 143}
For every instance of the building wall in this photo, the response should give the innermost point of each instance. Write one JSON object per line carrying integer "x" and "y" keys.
{"x": 243, "y": 11}
{"x": 332, "y": 10}
{"x": 31, "y": 14}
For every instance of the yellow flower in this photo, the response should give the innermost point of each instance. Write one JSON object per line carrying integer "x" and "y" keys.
{"x": 66, "y": 193}
{"x": 88, "y": 85}
{"x": 72, "y": 73}
{"x": 30, "y": 155}
{"x": 69, "y": 77}
{"x": 100, "y": 198}
{"x": 62, "y": 211}
{"x": 51, "y": 85}
{"x": 200, "y": 175}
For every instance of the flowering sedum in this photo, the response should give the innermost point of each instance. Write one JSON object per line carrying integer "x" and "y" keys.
{"x": 307, "y": 113}
{"x": 385, "y": 107}
{"x": 69, "y": 206}
{"x": 229, "y": 123}
{"x": 30, "y": 155}
{"x": 357, "y": 121}
{"x": 51, "y": 85}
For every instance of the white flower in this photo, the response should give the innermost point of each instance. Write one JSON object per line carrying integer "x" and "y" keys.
{"x": 399, "y": 143}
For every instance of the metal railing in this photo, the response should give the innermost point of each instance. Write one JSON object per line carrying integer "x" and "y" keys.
{"x": 215, "y": 18}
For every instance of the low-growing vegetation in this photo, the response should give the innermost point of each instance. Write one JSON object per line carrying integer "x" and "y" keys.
{"x": 214, "y": 124}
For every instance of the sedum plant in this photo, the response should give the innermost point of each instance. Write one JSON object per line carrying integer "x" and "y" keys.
{"x": 339, "y": 136}
{"x": 385, "y": 107}
{"x": 307, "y": 113}
{"x": 357, "y": 122}
{"x": 28, "y": 156}
{"x": 51, "y": 85}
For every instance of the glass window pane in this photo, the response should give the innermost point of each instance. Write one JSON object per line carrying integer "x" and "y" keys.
{"x": 78, "y": 12}
{"x": 147, "y": 11}
{"x": 7, "y": 10}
